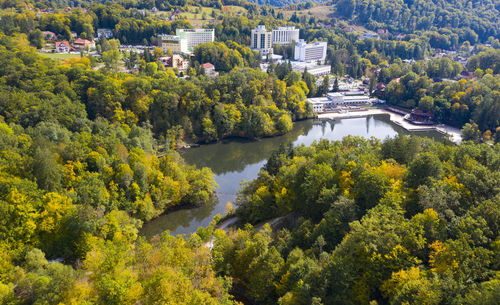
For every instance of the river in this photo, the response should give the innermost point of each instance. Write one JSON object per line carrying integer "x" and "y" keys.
{"x": 236, "y": 160}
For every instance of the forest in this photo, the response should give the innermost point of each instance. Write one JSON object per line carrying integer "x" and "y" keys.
{"x": 89, "y": 153}
{"x": 476, "y": 20}
{"x": 406, "y": 221}
{"x": 454, "y": 103}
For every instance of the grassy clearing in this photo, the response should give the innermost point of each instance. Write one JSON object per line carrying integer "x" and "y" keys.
{"x": 196, "y": 13}
{"x": 320, "y": 11}
{"x": 59, "y": 56}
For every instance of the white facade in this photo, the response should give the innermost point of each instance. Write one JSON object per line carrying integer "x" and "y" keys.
{"x": 190, "y": 38}
{"x": 62, "y": 47}
{"x": 312, "y": 68}
{"x": 339, "y": 99}
{"x": 320, "y": 104}
{"x": 335, "y": 99}
{"x": 319, "y": 70}
{"x": 261, "y": 40}
{"x": 285, "y": 35}
{"x": 356, "y": 100}
{"x": 106, "y": 33}
{"x": 172, "y": 42}
{"x": 310, "y": 52}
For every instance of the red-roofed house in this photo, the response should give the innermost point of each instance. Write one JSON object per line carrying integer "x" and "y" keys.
{"x": 63, "y": 47}
{"x": 83, "y": 43}
{"x": 209, "y": 69}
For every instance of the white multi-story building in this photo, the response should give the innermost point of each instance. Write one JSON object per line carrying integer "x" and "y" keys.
{"x": 190, "y": 38}
{"x": 262, "y": 40}
{"x": 170, "y": 42}
{"x": 310, "y": 52}
{"x": 285, "y": 35}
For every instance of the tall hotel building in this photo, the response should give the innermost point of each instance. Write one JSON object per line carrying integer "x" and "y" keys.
{"x": 285, "y": 35}
{"x": 190, "y": 38}
{"x": 262, "y": 40}
{"x": 310, "y": 52}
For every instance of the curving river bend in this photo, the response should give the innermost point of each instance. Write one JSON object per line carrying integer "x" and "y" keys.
{"x": 237, "y": 160}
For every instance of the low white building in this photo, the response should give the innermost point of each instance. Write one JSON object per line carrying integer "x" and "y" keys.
{"x": 348, "y": 99}
{"x": 336, "y": 99}
{"x": 356, "y": 100}
{"x": 312, "y": 68}
{"x": 320, "y": 70}
{"x": 320, "y": 104}
{"x": 310, "y": 52}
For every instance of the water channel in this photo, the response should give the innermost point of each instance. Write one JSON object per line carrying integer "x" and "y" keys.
{"x": 237, "y": 160}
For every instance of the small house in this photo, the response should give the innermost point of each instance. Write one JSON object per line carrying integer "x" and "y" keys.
{"x": 209, "y": 69}
{"x": 63, "y": 47}
{"x": 80, "y": 44}
{"x": 104, "y": 33}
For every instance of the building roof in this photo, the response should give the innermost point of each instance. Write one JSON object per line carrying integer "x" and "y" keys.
{"x": 62, "y": 43}
{"x": 332, "y": 94}
{"x": 170, "y": 37}
{"x": 82, "y": 41}
{"x": 284, "y": 28}
{"x": 318, "y": 100}
{"x": 48, "y": 33}
{"x": 355, "y": 97}
{"x": 207, "y": 65}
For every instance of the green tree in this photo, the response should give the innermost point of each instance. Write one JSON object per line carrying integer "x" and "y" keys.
{"x": 426, "y": 103}
{"x": 471, "y": 132}
{"x": 110, "y": 59}
{"x": 424, "y": 167}
{"x": 335, "y": 85}
{"x": 36, "y": 39}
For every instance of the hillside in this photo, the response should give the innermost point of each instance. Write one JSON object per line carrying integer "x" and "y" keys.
{"x": 281, "y": 3}
{"x": 476, "y": 20}
{"x": 480, "y": 16}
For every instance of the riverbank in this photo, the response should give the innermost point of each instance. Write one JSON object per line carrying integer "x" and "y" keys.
{"x": 454, "y": 134}
{"x": 236, "y": 160}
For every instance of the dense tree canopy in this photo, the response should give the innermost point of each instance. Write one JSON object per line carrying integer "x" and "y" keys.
{"x": 469, "y": 19}
{"x": 88, "y": 154}
{"x": 368, "y": 228}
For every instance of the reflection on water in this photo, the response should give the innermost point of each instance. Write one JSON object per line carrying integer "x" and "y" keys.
{"x": 237, "y": 160}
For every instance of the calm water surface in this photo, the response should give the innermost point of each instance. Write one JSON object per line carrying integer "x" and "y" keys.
{"x": 236, "y": 161}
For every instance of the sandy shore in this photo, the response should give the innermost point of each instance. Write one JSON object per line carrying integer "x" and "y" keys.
{"x": 454, "y": 133}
